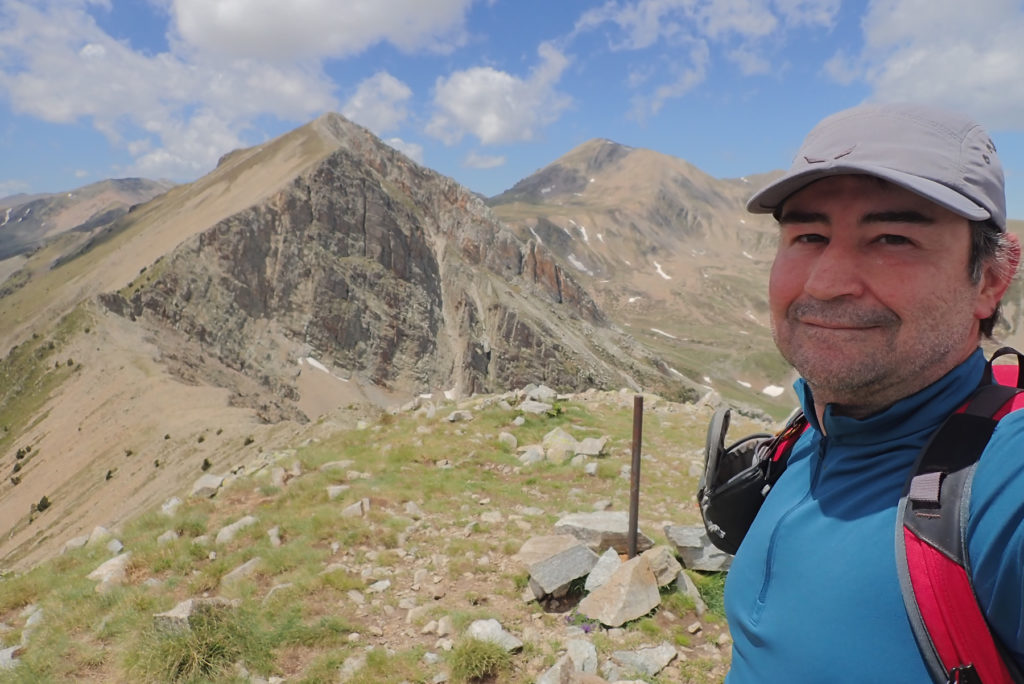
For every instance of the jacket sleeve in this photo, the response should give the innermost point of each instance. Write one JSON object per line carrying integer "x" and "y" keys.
{"x": 995, "y": 533}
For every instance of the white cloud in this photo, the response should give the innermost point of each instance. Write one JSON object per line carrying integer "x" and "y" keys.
{"x": 749, "y": 62}
{"x": 746, "y": 32}
{"x": 379, "y": 103}
{"x": 411, "y": 150}
{"x": 961, "y": 55}
{"x": 685, "y": 78}
{"x": 272, "y": 29}
{"x": 475, "y": 160}
{"x": 496, "y": 106}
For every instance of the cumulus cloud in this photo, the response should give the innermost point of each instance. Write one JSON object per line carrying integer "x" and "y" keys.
{"x": 475, "y": 160}
{"x": 379, "y": 103}
{"x": 961, "y": 55}
{"x": 745, "y": 32}
{"x": 497, "y": 107}
{"x": 176, "y": 114}
{"x": 272, "y": 29}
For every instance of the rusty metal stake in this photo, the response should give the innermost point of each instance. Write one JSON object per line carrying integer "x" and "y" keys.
{"x": 634, "y": 472}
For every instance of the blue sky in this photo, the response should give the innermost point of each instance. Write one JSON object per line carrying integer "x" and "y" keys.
{"x": 485, "y": 91}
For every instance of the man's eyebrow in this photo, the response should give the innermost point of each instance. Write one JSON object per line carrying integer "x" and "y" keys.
{"x": 904, "y": 216}
{"x": 797, "y": 216}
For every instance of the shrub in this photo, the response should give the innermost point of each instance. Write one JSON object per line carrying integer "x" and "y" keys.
{"x": 474, "y": 660}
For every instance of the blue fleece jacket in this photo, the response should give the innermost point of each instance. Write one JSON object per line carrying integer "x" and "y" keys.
{"x": 813, "y": 594}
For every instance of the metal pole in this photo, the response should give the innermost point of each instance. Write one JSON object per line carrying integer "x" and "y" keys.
{"x": 634, "y": 472}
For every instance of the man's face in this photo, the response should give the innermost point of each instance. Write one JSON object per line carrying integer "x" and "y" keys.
{"x": 869, "y": 292}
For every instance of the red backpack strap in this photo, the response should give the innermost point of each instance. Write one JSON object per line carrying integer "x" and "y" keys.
{"x": 931, "y": 553}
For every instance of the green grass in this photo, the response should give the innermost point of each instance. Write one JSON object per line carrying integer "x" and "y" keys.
{"x": 473, "y": 660}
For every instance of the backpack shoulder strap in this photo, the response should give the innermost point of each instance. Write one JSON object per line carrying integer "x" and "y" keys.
{"x": 931, "y": 553}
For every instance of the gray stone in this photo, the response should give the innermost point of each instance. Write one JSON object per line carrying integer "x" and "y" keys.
{"x": 664, "y": 564}
{"x": 179, "y": 618}
{"x": 556, "y": 572}
{"x": 111, "y": 573}
{"x": 459, "y": 417}
{"x": 647, "y": 661}
{"x": 632, "y": 592}
{"x": 167, "y": 537}
{"x": 534, "y": 407}
{"x": 531, "y": 454}
{"x": 583, "y": 655}
{"x": 356, "y": 510}
{"x": 207, "y": 486}
{"x": 543, "y": 394}
{"x": 75, "y": 543}
{"x": 492, "y": 631}
{"x": 334, "y": 491}
{"x": 243, "y": 571}
{"x": 601, "y": 530}
{"x": 171, "y": 506}
{"x": 559, "y": 445}
{"x": 227, "y": 534}
{"x": 686, "y": 586}
{"x": 592, "y": 446}
{"x": 606, "y": 566}
{"x": 537, "y": 549}
{"x": 508, "y": 440}
{"x": 696, "y": 550}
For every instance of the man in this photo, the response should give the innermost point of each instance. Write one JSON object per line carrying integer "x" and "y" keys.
{"x": 892, "y": 260}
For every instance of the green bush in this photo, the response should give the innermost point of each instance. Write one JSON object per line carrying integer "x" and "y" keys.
{"x": 474, "y": 660}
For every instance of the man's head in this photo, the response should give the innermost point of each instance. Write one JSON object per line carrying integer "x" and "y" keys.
{"x": 893, "y": 254}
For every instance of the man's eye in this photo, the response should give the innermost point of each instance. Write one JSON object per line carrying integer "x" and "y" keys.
{"x": 811, "y": 238}
{"x": 893, "y": 240}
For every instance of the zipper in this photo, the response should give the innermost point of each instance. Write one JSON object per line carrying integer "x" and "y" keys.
{"x": 772, "y": 542}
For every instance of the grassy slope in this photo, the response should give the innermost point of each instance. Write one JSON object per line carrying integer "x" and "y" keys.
{"x": 453, "y": 472}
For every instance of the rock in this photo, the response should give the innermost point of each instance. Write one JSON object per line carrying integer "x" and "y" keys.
{"x": 243, "y": 571}
{"x": 536, "y": 549}
{"x": 542, "y": 394}
{"x": 534, "y": 407}
{"x": 630, "y": 593}
{"x": 696, "y": 550}
{"x": 531, "y": 454}
{"x": 518, "y": 421}
{"x": 379, "y": 587}
{"x": 111, "y": 573}
{"x": 559, "y": 445}
{"x": 664, "y": 564}
{"x": 647, "y": 661}
{"x": 592, "y": 446}
{"x": 583, "y": 655}
{"x": 685, "y": 585}
{"x": 274, "y": 535}
{"x": 492, "y": 631}
{"x": 606, "y": 566}
{"x": 75, "y": 543}
{"x": 554, "y": 573}
{"x": 334, "y": 491}
{"x": 601, "y": 530}
{"x": 356, "y": 510}
{"x": 179, "y": 618}
{"x": 207, "y": 486}
{"x": 171, "y": 506}
{"x": 227, "y": 533}
{"x": 167, "y": 537}
{"x": 459, "y": 417}
{"x": 508, "y": 440}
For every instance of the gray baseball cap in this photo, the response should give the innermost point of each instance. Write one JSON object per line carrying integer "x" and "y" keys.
{"x": 941, "y": 155}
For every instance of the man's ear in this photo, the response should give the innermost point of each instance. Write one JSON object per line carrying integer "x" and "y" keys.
{"x": 997, "y": 275}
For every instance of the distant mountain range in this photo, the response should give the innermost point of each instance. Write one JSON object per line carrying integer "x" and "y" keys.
{"x": 155, "y": 331}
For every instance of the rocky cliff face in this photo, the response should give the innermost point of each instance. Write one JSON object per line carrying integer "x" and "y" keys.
{"x": 388, "y": 271}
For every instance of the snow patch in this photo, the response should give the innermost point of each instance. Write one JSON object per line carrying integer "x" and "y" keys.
{"x": 579, "y": 265}
{"x": 706, "y": 379}
{"x": 773, "y": 390}
{"x": 743, "y": 221}
{"x": 662, "y": 332}
{"x": 546, "y": 190}
{"x": 320, "y": 367}
{"x": 747, "y": 255}
{"x": 661, "y": 272}
{"x": 676, "y": 372}
{"x": 600, "y": 237}
{"x": 743, "y": 384}
{"x": 583, "y": 232}
{"x": 7, "y": 217}
{"x": 634, "y": 299}
{"x": 451, "y": 394}
{"x": 535, "y": 236}
{"x": 591, "y": 180}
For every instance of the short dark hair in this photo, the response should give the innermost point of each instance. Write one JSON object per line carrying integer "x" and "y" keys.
{"x": 988, "y": 245}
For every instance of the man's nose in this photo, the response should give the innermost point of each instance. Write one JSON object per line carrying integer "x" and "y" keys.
{"x": 837, "y": 272}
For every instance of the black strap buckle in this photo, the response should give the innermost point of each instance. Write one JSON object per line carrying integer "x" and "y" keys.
{"x": 963, "y": 674}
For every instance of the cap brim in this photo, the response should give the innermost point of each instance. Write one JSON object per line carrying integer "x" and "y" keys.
{"x": 770, "y": 198}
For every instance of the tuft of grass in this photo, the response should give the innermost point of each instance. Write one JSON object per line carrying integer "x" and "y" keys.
{"x": 473, "y": 660}
{"x": 712, "y": 590}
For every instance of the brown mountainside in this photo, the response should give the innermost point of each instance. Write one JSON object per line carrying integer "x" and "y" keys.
{"x": 317, "y": 274}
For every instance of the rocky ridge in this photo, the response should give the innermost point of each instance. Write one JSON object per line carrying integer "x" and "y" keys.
{"x": 490, "y": 557}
